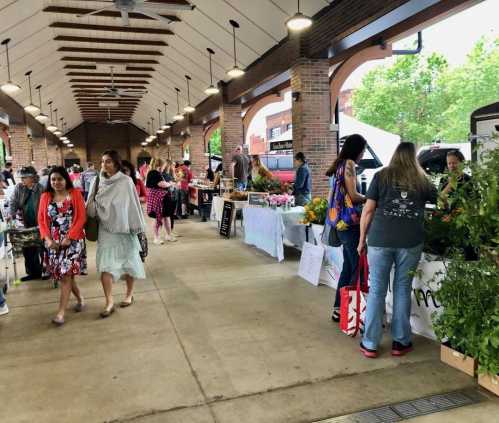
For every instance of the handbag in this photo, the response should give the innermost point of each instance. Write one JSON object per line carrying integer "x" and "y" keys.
{"x": 341, "y": 213}
{"x": 353, "y": 301}
{"x": 144, "y": 249}
{"x": 332, "y": 236}
{"x": 92, "y": 223}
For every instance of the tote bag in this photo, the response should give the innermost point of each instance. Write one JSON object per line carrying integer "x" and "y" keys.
{"x": 353, "y": 301}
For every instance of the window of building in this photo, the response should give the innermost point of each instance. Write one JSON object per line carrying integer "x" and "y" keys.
{"x": 275, "y": 132}
{"x": 289, "y": 126}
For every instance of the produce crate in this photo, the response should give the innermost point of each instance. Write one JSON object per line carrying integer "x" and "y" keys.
{"x": 458, "y": 360}
{"x": 489, "y": 382}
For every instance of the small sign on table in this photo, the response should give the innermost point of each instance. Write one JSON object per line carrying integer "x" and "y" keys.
{"x": 257, "y": 198}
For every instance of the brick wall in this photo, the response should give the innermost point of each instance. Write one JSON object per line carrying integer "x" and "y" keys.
{"x": 20, "y": 146}
{"x": 196, "y": 144}
{"x": 54, "y": 154}
{"x": 231, "y": 125}
{"x": 311, "y": 119}
{"x": 39, "y": 147}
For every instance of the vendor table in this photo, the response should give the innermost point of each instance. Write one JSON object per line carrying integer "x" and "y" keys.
{"x": 217, "y": 206}
{"x": 266, "y": 228}
{"x": 200, "y": 198}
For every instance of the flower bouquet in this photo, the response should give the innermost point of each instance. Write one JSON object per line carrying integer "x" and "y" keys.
{"x": 281, "y": 200}
{"x": 315, "y": 211}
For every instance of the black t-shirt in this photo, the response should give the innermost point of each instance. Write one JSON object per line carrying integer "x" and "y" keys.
{"x": 153, "y": 179}
{"x": 399, "y": 217}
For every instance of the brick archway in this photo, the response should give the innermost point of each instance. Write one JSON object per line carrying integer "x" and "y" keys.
{"x": 345, "y": 69}
{"x": 208, "y": 132}
{"x": 257, "y": 106}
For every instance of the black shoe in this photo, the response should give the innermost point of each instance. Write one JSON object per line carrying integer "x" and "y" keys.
{"x": 399, "y": 349}
{"x": 184, "y": 216}
{"x": 45, "y": 277}
{"x": 30, "y": 278}
{"x": 204, "y": 219}
{"x": 368, "y": 353}
{"x": 335, "y": 317}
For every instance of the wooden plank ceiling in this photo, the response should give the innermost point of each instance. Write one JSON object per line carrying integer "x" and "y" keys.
{"x": 71, "y": 56}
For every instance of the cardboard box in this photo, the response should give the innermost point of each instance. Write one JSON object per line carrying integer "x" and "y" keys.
{"x": 457, "y": 360}
{"x": 489, "y": 382}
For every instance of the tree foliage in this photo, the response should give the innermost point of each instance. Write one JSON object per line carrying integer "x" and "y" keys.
{"x": 422, "y": 98}
{"x": 216, "y": 142}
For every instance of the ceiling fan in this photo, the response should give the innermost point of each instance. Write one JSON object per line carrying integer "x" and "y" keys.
{"x": 112, "y": 91}
{"x": 113, "y": 121}
{"x": 150, "y": 9}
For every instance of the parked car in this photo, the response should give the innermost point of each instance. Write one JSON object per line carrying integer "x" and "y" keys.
{"x": 280, "y": 165}
{"x": 433, "y": 158}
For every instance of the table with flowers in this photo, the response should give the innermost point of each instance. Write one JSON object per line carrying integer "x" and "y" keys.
{"x": 267, "y": 228}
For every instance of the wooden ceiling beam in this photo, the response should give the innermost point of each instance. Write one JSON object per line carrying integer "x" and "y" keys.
{"x": 108, "y": 81}
{"x": 106, "y": 13}
{"x": 110, "y": 51}
{"x": 110, "y": 41}
{"x": 103, "y": 60}
{"x": 117, "y": 75}
{"x": 105, "y": 86}
{"x": 128, "y": 68}
{"x": 110, "y": 28}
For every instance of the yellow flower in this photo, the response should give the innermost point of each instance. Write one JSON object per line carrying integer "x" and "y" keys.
{"x": 317, "y": 200}
{"x": 341, "y": 226}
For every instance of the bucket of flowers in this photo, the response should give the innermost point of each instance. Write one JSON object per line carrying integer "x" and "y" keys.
{"x": 281, "y": 200}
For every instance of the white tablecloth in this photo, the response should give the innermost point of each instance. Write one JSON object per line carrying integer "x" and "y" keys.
{"x": 265, "y": 228}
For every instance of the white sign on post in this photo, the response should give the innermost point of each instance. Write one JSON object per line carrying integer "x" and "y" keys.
{"x": 311, "y": 262}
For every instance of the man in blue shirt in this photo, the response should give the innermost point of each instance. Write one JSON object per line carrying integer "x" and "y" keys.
{"x": 303, "y": 181}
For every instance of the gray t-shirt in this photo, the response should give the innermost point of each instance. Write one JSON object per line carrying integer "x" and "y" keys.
{"x": 399, "y": 217}
{"x": 241, "y": 167}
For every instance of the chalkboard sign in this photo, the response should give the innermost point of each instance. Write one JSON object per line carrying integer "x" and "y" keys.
{"x": 226, "y": 222}
{"x": 257, "y": 198}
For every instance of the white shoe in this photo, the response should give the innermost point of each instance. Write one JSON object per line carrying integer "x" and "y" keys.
{"x": 176, "y": 234}
{"x": 4, "y": 309}
{"x": 158, "y": 241}
{"x": 171, "y": 238}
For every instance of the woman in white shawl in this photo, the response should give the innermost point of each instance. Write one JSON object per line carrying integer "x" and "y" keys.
{"x": 116, "y": 205}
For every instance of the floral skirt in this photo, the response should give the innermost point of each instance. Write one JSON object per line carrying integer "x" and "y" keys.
{"x": 70, "y": 261}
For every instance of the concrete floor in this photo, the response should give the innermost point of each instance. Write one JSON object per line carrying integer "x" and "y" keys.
{"x": 220, "y": 332}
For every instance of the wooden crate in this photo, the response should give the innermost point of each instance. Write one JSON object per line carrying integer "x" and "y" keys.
{"x": 457, "y": 360}
{"x": 489, "y": 382}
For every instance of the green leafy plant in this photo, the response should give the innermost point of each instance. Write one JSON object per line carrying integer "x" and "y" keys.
{"x": 260, "y": 184}
{"x": 315, "y": 211}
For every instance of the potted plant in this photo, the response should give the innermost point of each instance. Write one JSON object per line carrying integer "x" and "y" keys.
{"x": 469, "y": 289}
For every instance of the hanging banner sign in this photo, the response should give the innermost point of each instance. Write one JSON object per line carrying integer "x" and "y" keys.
{"x": 281, "y": 145}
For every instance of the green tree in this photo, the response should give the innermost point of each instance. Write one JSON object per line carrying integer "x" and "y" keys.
{"x": 216, "y": 142}
{"x": 421, "y": 99}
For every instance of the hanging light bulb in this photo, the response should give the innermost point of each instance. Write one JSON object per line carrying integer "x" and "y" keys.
{"x": 211, "y": 89}
{"x": 66, "y": 141}
{"x": 31, "y": 108}
{"x": 188, "y": 108}
{"x": 166, "y": 125}
{"x": 298, "y": 22}
{"x": 236, "y": 71}
{"x": 160, "y": 129}
{"x": 51, "y": 126}
{"x": 143, "y": 144}
{"x": 9, "y": 87}
{"x": 152, "y": 137}
{"x": 42, "y": 117}
{"x": 179, "y": 116}
{"x": 70, "y": 145}
{"x": 57, "y": 131}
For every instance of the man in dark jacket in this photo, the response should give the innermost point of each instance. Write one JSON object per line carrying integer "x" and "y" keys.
{"x": 303, "y": 181}
{"x": 25, "y": 200}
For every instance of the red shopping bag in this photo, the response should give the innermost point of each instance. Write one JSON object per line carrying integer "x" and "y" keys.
{"x": 353, "y": 300}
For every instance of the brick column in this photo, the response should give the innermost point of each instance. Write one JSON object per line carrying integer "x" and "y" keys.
{"x": 20, "y": 146}
{"x": 312, "y": 118}
{"x": 231, "y": 125}
{"x": 196, "y": 144}
{"x": 40, "y": 156}
{"x": 54, "y": 155}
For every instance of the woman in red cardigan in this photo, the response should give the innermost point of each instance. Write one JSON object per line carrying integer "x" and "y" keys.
{"x": 61, "y": 217}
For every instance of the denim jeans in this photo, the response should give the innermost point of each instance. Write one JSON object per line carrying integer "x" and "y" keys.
{"x": 350, "y": 241}
{"x": 2, "y": 297}
{"x": 302, "y": 199}
{"x": 381, "y": 261}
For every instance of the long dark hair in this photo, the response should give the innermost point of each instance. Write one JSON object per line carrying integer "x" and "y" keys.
{"x": 115, "y": 158}
{"x": 61, "y": 170}
{"x": 126, "y": 164}
{"x": 354, "y": 145}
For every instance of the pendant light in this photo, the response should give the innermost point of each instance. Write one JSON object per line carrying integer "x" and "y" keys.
{"x": 236, "y": 71}
{"x": 211, "y": 89}
{"x": 143, "y": 144}
{"x": 57, "y": 132}
{"x": 42, "y": 117}
{"x": 166, "y": 125}
{"x": 148, "y": 132}
{"x": 152, "y": 137}
{"x": 298, "y": 22}
{"x": 9, "y": 87}
{"x": 188, "y": 108}
{"x": 160, "y": 129}
{"x": 179, "y": 116}
{"x": 51, "y": 127}
{"x": 70, "y": 145}
{"x": 31, "y": 108}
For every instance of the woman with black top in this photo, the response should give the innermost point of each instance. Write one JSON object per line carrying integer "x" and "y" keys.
{"x": 160, "y": 205}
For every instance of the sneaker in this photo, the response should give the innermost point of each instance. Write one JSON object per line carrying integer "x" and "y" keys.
{"x": 79, "y": 307}
{"x": 158, "y": 241}
{"x": 367, "y": 352}
{"x": 4, "y": 309}
{"x": 335, "y": 317}
{"x": 171, "y": 238}
{"x": 176, "y": 234}
{"x": 28, "y": 278}
{"x": 399, "y": 349}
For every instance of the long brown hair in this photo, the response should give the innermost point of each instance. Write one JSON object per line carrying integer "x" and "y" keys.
{"x": 404, "y": 171}
{"x": 352, "y": 148}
